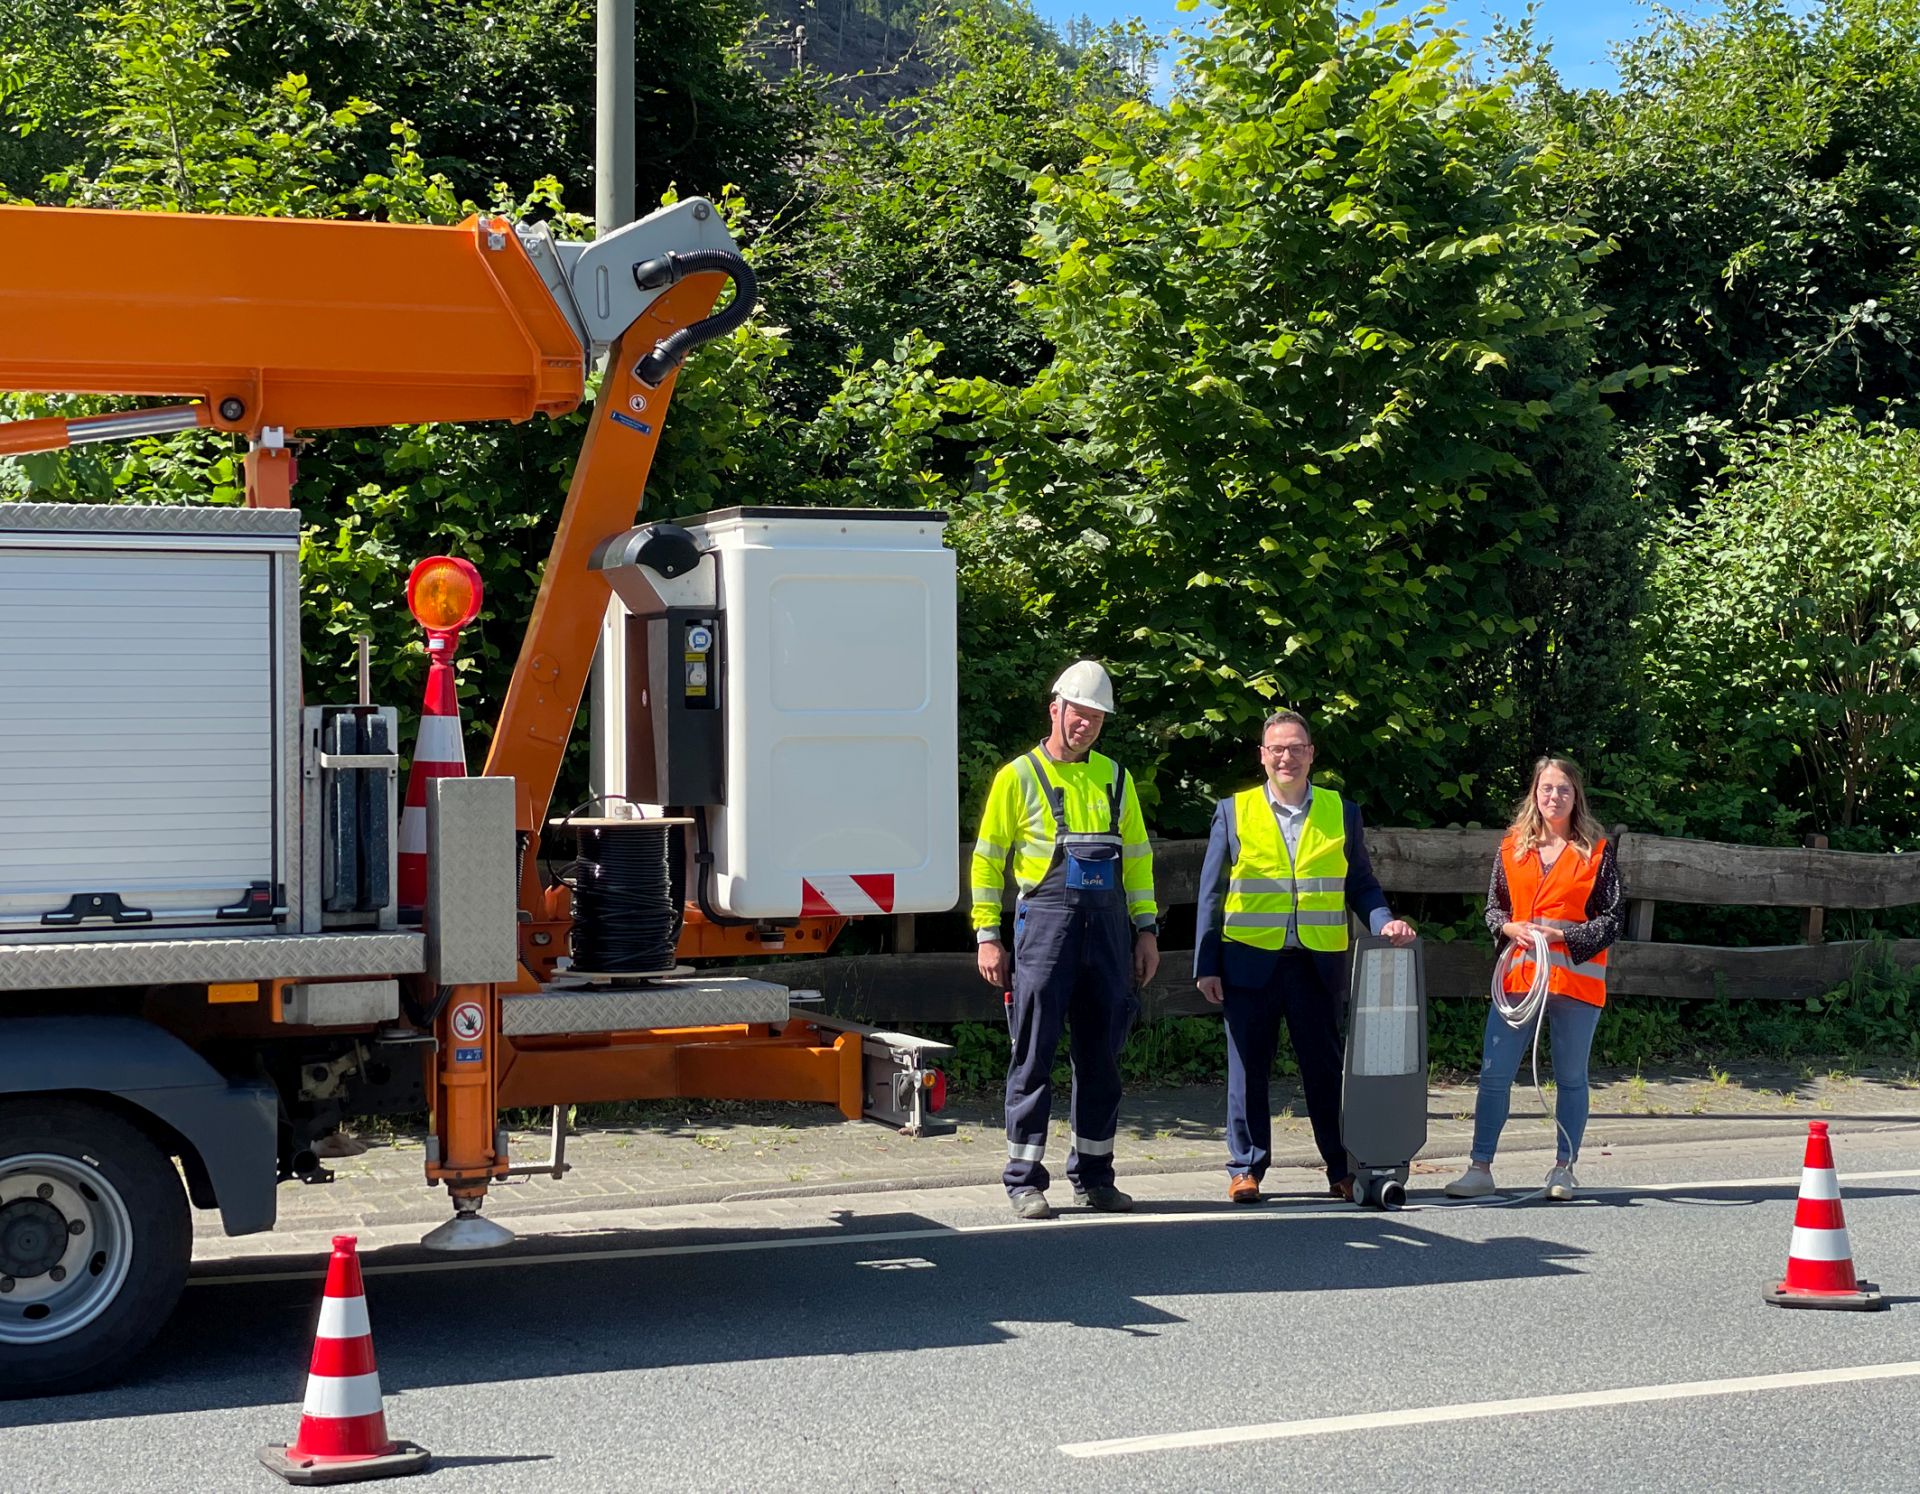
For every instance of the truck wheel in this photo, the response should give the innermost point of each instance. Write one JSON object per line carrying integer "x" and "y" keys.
{"x": 94, "y": 1245}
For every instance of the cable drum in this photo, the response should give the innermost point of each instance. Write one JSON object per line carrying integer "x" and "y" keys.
{"x": 625, "y": 922}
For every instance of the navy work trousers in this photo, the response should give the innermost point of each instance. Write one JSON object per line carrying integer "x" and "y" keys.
{"x": 1296, "y": 992}
{"x": 1072, "y": 967}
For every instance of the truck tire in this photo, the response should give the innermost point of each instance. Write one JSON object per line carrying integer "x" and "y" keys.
{"x": 94, "y": 1244}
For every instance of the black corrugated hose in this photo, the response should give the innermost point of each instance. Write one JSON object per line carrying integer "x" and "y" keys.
{"x": 669, "y": 269}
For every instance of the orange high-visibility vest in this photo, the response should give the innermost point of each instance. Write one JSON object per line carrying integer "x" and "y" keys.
{"x": 1557, "y": 899}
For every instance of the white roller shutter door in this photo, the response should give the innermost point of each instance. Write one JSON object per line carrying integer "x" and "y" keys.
{"x": 137, "y": 745}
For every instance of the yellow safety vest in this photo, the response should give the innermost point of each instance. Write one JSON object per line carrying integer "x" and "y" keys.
{"x": 1267, "y": 890}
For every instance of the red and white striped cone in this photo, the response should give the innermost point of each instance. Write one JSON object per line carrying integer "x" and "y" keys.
{"x": 1819, "y": 1259}
{"x": 439, "y": 753}
{"x": 343, "y": 1428}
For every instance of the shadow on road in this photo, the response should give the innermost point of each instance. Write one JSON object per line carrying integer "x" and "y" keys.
{"x": 1706, "y": 1195}
{"x": 243, "y": 1343}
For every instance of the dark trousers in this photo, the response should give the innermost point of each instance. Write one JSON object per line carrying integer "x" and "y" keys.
{"x": 1296, "y": 992}
{"x": 1072, "y": 968}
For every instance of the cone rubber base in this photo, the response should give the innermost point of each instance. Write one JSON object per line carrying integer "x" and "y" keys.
{"x": 406, "y": 1457}
{"x": 1867, "y": 1299}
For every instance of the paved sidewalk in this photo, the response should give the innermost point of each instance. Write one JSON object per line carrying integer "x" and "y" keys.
{"x": 686, "y": 1153}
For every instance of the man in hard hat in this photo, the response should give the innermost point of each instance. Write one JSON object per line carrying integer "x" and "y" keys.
{"x": 1286, "y": 861}
{"x": 1086, "y": 931}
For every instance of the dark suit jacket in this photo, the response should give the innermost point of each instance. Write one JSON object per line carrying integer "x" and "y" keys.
{"x": 1242, "y": 964}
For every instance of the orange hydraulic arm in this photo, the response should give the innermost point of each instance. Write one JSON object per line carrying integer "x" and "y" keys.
{"x": 270, "y": 327}
{"x": 284, "y": 323}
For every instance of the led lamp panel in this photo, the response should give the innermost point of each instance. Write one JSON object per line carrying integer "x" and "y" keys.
{"x": 1385, "y": 1038}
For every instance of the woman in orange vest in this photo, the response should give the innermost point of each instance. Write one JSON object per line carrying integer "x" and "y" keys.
{"x": 1556, "y": 875}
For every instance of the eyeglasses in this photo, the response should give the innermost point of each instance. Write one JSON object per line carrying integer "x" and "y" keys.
{"x": 1289, "y": 749}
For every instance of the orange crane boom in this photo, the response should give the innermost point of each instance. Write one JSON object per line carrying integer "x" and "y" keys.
{"x": 290, "y": 323}
{"x": 267, "y": 328}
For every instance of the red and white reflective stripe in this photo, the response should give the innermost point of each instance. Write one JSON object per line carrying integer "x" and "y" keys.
{"x": 1819, "y": 1245}
{"x": 1819, "y": 1182}
{"x": 336, "y": 1397}
{"x": 343, "y": 1317}
{"x": 439, "y": 743}
{"x": 830, "y": 895}
{"x": 413, "y": 831}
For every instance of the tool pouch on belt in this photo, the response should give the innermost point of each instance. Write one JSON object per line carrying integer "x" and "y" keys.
{"x": 1093, "y": 868}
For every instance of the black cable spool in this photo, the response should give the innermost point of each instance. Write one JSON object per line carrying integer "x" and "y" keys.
{"x": 626, "y": 920}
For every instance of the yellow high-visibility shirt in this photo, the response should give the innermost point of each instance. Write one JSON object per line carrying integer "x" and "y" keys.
{"x": 1018, "y": 820}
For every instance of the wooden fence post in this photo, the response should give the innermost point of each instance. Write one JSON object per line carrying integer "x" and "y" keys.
{"x": 1639, "y": 909}
{"x": 1813, "y": 922}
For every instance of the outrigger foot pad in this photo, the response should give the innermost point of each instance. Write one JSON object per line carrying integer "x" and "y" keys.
{"x": 467, "y": 1231}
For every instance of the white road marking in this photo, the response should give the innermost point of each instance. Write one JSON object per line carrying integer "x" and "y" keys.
{"x": 949, "y": 1232}
{"x": 1373, "y": 1421}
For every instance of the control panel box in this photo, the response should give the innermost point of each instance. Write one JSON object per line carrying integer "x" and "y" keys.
{"x": 675, "y": 750}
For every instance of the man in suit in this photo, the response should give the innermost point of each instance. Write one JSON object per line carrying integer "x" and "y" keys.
{"x": 1285, "y": 863}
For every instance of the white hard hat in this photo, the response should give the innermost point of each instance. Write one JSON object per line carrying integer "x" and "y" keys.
{"x": 1086, "y": 684}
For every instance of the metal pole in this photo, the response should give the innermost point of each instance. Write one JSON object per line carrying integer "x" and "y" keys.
{"x": 613, "y": 157}
{"x": 613, "y": 207}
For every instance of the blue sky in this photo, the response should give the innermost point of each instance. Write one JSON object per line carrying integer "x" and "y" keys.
{"x": 1579, "y": 29}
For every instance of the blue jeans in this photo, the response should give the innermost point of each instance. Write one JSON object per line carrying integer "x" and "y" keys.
{"x": 1570, "y": 1026}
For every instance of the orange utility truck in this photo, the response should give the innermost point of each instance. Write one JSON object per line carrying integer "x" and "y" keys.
{"x": 204, "y": 964}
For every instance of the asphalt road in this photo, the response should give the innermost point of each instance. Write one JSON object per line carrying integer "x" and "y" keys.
{"x": 927, "y": 1342}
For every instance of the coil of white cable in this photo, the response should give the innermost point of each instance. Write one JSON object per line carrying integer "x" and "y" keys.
{"x": 1522, "y": 1011}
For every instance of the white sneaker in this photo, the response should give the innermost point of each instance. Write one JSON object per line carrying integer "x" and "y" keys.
{"x": 1560, "y": 1184}
{"x": 1475, "y": 1182}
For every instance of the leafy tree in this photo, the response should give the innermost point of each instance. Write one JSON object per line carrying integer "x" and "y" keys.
{"x": 1757, "y": 173}
{"x": 1304, "y": 319}
{"x": 1784, "y": 637}
{"x": 914, "y": 218}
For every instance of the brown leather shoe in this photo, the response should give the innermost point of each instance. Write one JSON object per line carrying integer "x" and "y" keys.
{"x": 1342, "y": 1189}
{"x": 1243, "y": 1188}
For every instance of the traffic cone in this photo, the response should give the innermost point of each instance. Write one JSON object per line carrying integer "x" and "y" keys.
{"x": 439, "y": 753}
{"x": 343, "y": 1430}
{"x": 1819, "y": 1259}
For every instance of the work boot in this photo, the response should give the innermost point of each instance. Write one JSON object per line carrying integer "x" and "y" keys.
{"x": 1561, "y": 1182}
{"x": 1030, "y": 1203}
{"x": 1243, "y": 1188}
{"x": 1475, "y": 1182}
{"x": 1103, "y": 1198}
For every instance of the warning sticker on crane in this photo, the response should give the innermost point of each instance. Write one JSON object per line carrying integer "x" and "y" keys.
{"x": 469, "y": 1021}
{"x": 853, "y": 896}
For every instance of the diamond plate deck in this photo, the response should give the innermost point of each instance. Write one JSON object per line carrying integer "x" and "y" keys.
{"x": 146, "y": 518}
{"x": 165, "y": 962}
{"x": 711, "y": 1002}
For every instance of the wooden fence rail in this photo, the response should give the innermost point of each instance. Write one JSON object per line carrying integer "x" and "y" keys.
{"x": 909, "y": 988}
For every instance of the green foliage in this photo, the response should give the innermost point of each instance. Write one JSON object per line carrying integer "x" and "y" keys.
{"x": 1296, "y": 389}
{"x": 1757, "y": 173}
{"x": 1304, "y": 320}
{"x": 1782, "y": 638}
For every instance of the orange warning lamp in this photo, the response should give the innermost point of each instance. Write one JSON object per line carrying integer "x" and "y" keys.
{"x": 443, "y": 593}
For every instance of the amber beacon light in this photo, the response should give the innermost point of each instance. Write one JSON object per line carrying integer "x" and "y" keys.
{"x": 443, "y": 593}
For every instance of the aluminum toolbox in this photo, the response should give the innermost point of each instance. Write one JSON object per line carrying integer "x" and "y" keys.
{"x": 150, "y": 669}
